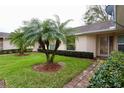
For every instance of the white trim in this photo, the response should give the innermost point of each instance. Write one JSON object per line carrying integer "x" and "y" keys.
{"x": 108, "y": 44}
{"x": 120, "y": 43}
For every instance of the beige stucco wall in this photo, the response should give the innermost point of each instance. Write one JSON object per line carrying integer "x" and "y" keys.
{"x": 81, "y": 43}
{"x": 62, "y": 46}
{"x": 91, "y": 44}
{"x": 35, "y": 47}
{"x": 8, "y": 45}
{"x": 86, "y": 43}
{"x": 120, "y": 15}
{"x": 115, "y": 43}
{"x": 1, "y": 44}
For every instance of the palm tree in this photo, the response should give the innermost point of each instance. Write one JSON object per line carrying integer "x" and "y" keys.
{"x": 17, "y": 39}
{"x": 64, "y": 33}
{"x": 95, "y": 14}
{"x": 46, "y": 33}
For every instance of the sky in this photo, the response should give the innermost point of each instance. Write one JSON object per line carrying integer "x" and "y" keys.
{"x": 14, "y": 12}
{"x": 12, "y": 16}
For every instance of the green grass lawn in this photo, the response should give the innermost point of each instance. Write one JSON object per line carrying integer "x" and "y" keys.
{"x": 17, "y": 71}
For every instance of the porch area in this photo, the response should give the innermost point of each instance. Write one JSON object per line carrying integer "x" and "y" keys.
{"x": 100, "y": 43}
{"x": 106, "y": 43}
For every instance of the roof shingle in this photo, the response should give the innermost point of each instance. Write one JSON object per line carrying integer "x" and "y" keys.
{"x": 4, "y": 35}
{"x": 93, "y": 27}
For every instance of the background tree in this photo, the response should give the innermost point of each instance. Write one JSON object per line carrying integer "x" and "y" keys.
{"x": 46, "y": 33}
{"x": 95, "y": 14}
{"x": 17, "y": 39}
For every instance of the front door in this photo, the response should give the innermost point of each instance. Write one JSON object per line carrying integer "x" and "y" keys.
{"x": 103, "y": 46}
{"x": 106, "y": 45}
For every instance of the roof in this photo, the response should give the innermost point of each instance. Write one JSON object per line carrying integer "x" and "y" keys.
{"x": 92, "y": 28}
{"x": 4, "y": 35}
{"x": 96, "y": 27}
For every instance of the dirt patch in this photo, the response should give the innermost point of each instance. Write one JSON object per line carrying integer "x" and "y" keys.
{"x": 48, "y": 67}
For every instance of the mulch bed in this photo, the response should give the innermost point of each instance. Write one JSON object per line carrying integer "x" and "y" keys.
{"x": 47, "y": 67}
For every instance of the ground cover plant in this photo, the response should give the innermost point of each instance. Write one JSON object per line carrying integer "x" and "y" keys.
{"x": 111, "y": 73}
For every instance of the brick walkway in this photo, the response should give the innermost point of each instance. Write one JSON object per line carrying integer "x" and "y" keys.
{"x": 82, "y": 80}
{"x": 2, "y": 84}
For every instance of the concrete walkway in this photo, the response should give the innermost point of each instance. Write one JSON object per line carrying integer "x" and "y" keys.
{"x": 82, "y": 80}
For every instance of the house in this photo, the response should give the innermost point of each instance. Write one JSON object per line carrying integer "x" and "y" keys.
{"x": 99, "y": 38}
{"x": 6, "y": 45}
{"x": 5, "y": 42}
{"x": 102, "y": 38}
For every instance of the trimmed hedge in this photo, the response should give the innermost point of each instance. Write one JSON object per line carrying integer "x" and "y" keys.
{"x": 9, "y": 51}
{"x": 71, "y": 53}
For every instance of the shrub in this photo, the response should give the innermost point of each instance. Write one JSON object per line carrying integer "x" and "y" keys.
{"x": 9, "y": 51}
{"x": 110, "y": 74}
{"x": 72, "y": 53}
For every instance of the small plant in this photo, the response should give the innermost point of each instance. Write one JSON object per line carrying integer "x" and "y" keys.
{"x": 111, "y": 73}
{"x": 19, "y": 41}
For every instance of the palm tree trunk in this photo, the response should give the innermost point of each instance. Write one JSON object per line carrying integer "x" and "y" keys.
{"x": 21, "y": 52}
{"x": 47, "y": 57}
{"x": 42, "y": 45}
{"x": 47, "y": 52}
{"x": 52, "y": 58}
{"x": 54, "y": 52}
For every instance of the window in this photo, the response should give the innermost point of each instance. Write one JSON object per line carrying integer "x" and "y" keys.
{"x": 52, "y": 47}
{"x": 104, "y": 45}
{"x": 71, "y": 43}
{"x": 121, "y": 43}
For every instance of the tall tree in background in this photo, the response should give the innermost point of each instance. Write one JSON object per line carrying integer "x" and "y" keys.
{"x": 96, "y": 14}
